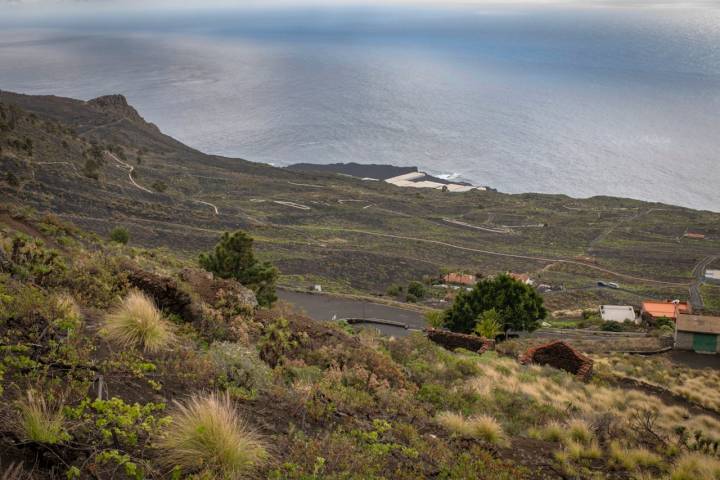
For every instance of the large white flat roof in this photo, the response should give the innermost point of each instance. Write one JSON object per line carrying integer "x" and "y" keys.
{"x": 406, "y": 177}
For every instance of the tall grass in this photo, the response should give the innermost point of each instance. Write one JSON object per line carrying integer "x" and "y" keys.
{"x": 137, "y": 323}
{"x": 208, "y": 436}
{"x": 696, "y": 466}
{"x": 40, "y": 422}
{"x": 483, "y": 427}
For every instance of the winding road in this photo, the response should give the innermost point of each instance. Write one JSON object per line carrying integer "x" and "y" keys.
{"x": 699, "y": 272}
{"x": 130, "y": 169}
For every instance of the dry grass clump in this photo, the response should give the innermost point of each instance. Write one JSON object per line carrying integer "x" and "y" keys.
{"x": 39, "y": 421}
{"x": 701, "y": 386}
{"x": 483, "y": 427}
{"x": 633, "y": 458}
{"x": 579, "y": 431}
{"x": 207, "y": 436}
{"x": 137, "y": 323}
{"x": 696, "y": 466}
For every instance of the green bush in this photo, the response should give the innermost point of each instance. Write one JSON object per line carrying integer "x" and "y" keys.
{"x": 120, "y": 235}
{"x": 611, "y": 326}
{"x": 416, "y": 289}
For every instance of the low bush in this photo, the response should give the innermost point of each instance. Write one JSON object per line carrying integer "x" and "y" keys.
{"x": 207, "y": 436}
{"x": 137, "y": 323}
{"x": 120, "y": 235}
{"x": 241, "y": 370}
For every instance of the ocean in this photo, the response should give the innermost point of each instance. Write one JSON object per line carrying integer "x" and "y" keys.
{"x": 599, "y": 99}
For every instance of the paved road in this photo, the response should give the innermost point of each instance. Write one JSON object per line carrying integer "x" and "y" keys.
{"x": 326, "y": 307}
{"x": 699, "y": 273}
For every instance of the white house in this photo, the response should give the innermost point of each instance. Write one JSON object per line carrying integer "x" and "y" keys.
{"x": 618, "y": 313}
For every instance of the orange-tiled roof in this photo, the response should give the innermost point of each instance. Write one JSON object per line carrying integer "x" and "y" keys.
{"x": 665, "y": 309}
{"x": 460, "y": 278}
{"x": 694, "y": 235}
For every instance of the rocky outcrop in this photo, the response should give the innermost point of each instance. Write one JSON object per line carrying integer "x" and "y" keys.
{"x": 452, "y": 340}
{"x": 118, "y": 105}
{"x": 560, "y": 355}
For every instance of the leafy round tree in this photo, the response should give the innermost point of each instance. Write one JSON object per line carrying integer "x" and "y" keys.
{"x": 517, "y": 306}
{"x": 233, "y": 258}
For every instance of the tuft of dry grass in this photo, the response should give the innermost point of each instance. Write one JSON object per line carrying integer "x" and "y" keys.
{"x": 67, "y": 313}
{"x": 633, "y": 458}
{"x": 579, "y": 430}
{"x": 38, "y": 421}
{"x": 137, "y": 323}
{"x": 696, "y": 466}
{"x": 207, "y": 436}
{"x": 484, "y": 427}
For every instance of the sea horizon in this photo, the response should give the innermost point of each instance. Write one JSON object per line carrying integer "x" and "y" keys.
{"x": 583, "y": 101}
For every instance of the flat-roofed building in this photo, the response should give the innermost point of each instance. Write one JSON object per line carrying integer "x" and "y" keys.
{"x": 698, "y": 333}
{"x": 618, "y": 313}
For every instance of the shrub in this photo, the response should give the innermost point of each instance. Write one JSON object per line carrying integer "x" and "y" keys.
{"x": 67, "y": 313}
{"x": 483, "y": 427}
{"x": 207, "y": 436}
{"x": 435, "y": 318}
{"x": 488, "y": 324}
{"x": 240, "y": 368}
{"x": 611, "y": 326}
{"x": 39, "y": 422}
{"x": 138, "y": 323}
{"x": 120, "y": 235}
{"x": 233, "y": 258}
{"x": 394, "y": 290}
{"x": 416, "y": 289}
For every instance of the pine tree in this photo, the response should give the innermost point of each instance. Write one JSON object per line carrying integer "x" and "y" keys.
{"x": 233, "y": 258}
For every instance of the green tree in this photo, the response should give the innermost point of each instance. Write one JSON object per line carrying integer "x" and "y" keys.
{"x": 488, "y": 324}
{"x": 416, "y": 289}
{"x": 518, "y": 306}
{"x": 233, "y": 258}
{"x": 120, "y": 235}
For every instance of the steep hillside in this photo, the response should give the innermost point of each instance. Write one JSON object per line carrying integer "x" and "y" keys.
{"x": 127, "y": 363}
{"x": 99, "y": 164}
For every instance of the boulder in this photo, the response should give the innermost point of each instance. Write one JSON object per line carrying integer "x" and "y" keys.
{"x": 560, "y": 355}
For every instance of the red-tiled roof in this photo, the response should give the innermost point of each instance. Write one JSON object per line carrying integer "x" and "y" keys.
{"x": 665, "y": 309}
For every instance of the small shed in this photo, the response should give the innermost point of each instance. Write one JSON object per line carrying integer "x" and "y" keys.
{"x": 618, "y": 313}
{"x": 698, "y": 333}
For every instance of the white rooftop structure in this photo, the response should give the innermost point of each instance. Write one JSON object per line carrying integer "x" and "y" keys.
{"x": 712, "y": 274}
{"x": 406, "y": 177}
{"x": 618, "y": 313}
{"x": 413, "y": 180}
